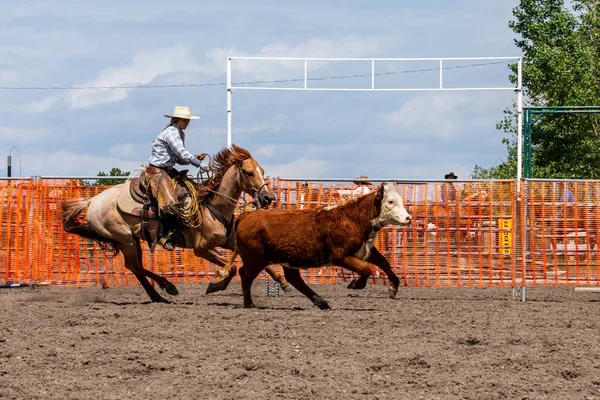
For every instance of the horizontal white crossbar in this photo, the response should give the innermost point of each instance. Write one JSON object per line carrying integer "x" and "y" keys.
{"x": 371, "y": 89}
{"x": 373, "y": 59}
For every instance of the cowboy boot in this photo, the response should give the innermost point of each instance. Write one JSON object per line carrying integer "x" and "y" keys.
{"x": 166, "y": 233}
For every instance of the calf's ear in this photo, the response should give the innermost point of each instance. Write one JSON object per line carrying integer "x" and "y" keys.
{"x": 380, "y": 190}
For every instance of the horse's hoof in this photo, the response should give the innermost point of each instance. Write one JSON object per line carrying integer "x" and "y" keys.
{"x": 250, "y": 305}
{"x": 392, "y": 291}
{"x": 322, "y": 304}
{"x": 356, "y": 284}
{"x": 286, "y": 287}
{"x": 212, "y": 287}
{"x": 161, "y": 300}
{"x": 170, "y": 289}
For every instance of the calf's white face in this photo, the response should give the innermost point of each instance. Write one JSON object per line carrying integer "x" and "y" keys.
{"x": 392, "y": 209}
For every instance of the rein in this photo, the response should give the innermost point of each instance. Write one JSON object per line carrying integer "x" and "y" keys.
{"x": 229, "y": 199}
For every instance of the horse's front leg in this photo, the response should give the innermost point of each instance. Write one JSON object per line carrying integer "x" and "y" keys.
{"x": 226, "y": 273}
{"x": 277, "y": 277}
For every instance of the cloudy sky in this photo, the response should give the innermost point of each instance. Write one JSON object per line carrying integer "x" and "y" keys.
{"x": 64, "y": 44}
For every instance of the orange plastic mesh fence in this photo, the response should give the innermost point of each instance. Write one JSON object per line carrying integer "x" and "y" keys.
{"x": 472, "y": 234}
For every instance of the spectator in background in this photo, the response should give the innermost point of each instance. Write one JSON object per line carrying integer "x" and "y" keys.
{"x": 451, "y": 207}
{"x": 567, "y": 195}
{"x": 362, "y": 188}
{"x": 448, "y": 189}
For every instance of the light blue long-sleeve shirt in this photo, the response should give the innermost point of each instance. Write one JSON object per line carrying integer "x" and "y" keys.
{"x": 169, "y": 149}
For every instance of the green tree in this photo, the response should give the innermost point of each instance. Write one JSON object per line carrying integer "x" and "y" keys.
{"x": 113, "y": 172}
{"x": 561, "y": 67}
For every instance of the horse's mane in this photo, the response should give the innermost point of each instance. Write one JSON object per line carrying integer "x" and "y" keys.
{"x": 218, "y": 165}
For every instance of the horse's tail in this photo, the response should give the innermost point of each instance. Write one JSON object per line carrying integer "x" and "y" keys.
{"x": 74, "y": 222}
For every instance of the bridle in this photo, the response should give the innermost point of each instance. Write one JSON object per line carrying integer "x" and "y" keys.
{"x": 243, "y": 178}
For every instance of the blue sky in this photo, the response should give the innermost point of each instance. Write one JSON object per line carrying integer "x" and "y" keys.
{"x": 293, "y": 134}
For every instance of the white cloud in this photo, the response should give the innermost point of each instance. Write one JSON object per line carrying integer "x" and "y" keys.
{"x": 8, "y": 75}
{"x": 147, "y": 66}
{"x": 15, "y": 135}
{"x": 41, "y": 105}
{"x": 64, "y": 163}
{"x": 445, "y": 116}
{"x": 237, "y": 131}
{"x": 267, "y": 150}
{"x": 347, "y": 46}
{"x": 128, "y": 150}
{"x": 144, "y": 68}
{"x": 297, "y": 169}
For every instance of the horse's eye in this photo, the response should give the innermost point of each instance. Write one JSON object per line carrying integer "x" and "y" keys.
{"x": 251, "y": 173}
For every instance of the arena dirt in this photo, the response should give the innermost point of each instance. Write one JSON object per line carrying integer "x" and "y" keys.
{"x": 94, "y": 343}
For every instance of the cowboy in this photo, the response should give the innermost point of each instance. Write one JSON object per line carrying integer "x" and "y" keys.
{"x": 169, "y": 149}
{"x": 448, "y": 189}
{"x": 362, "y": 188}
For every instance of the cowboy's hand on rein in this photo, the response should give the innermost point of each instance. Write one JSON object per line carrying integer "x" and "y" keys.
{"x": 196, "y": 163}
{"x": 201, "y": 156}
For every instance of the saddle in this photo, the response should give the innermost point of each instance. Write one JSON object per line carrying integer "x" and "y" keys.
{"x": 141, "y": 193}
{"x": 139, "y": 190}
{"x": 137, "y": 199}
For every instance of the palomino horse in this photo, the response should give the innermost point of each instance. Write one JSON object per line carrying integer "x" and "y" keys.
{"x": 235, "y": 171}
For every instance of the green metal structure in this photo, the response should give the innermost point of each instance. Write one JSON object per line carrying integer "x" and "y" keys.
{"x": 531, "y": 115}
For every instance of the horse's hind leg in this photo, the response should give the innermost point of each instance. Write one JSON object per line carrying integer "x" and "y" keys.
{"x": 133, "y": 261}
{"x": 293, "y": 276}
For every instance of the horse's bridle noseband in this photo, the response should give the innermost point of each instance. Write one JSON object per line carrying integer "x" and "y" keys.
{"x": 232, "y": 201}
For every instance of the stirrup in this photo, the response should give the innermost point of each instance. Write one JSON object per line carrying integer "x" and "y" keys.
{"x": 165, "y": 242}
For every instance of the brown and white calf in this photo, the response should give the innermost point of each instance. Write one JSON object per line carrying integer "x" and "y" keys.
{"x": 343, "y": 236}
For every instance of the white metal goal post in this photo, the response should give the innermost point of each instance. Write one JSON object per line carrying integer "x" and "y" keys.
{"x": 374, "y": 87}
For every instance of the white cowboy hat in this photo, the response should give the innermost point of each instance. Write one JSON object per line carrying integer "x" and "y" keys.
{"x": 359, "y": 180}
{"x": 181, "y": 112}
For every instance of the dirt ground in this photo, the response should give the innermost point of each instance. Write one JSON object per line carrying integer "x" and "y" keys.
{"x": 94, "y": 343}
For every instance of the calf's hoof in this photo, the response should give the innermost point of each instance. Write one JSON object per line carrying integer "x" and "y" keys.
{"x": 319, "y": 302}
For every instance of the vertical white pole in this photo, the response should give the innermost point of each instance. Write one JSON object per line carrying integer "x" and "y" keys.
{"x": 372, "y": 74}
{"x": 519, "y": 121}
{"x": 519, "y": 228}
{"x": 441, "y": 76}
{"x": 305, "y": 73}
{"x": 229, "y": 101}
